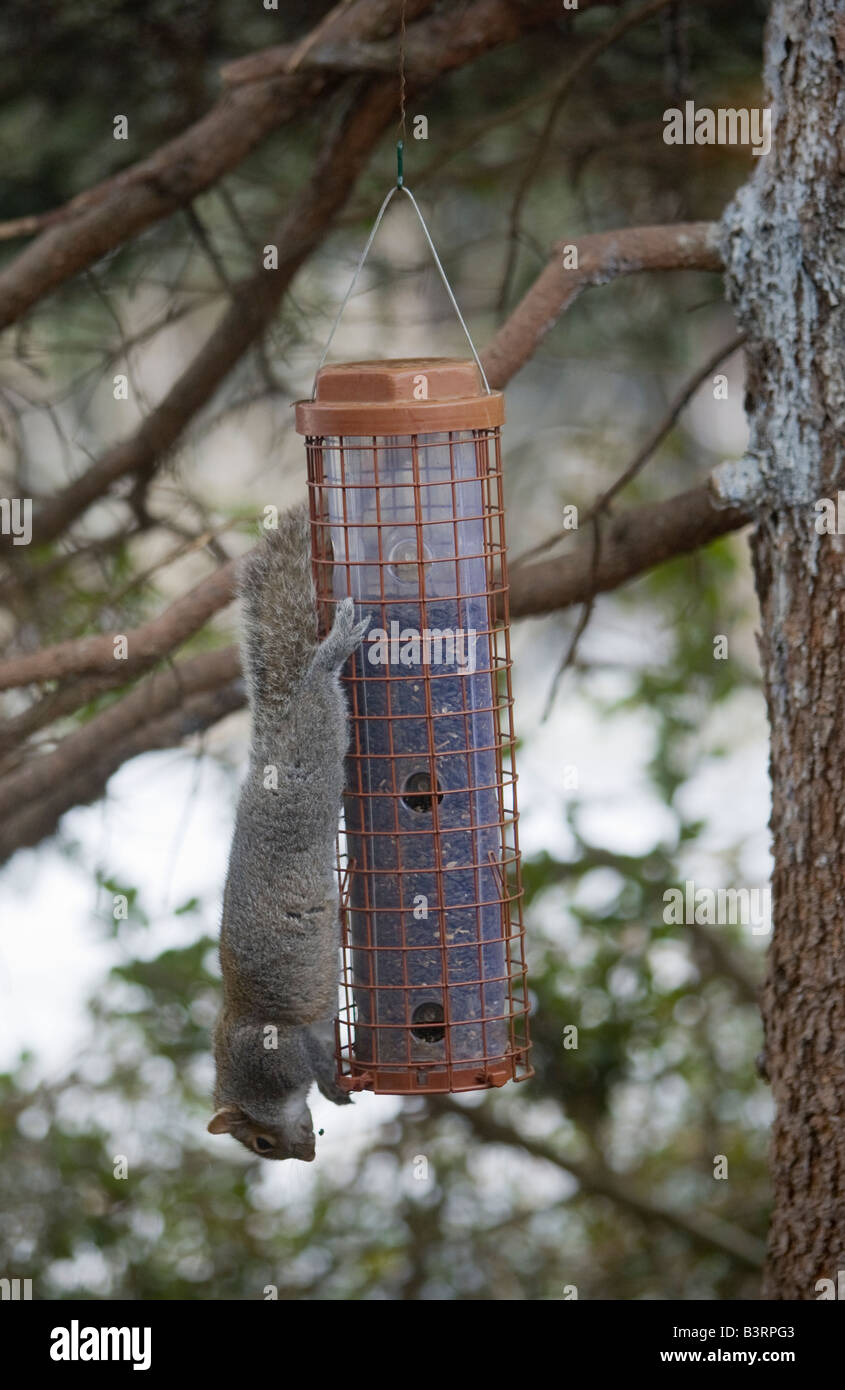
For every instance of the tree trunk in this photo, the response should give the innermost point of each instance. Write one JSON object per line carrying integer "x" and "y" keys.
{"x": 784, "y": 245}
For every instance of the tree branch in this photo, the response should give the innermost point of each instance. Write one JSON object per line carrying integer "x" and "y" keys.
{"x": 599, "y": 507}
{"x": 638, "y": 539}
{"x": 55, "y": 776}
{"x": 329, "y": 56}
{"x": 455, "y": 33}
{"x": 632, "y": 543}
{"x": 704, "y": 1229}
{"x": 87, "y": 779}
{"x": 145, "y": 644}
{"x": 602, "y": 256}
{"x": 104, "y": 217}
{"x": 100, "y": 219}
{"x": 582, "y": 63}
{"x": 79, "y": 768}
{"x": 252, "y": 307}
{"x": 484, "y": 24}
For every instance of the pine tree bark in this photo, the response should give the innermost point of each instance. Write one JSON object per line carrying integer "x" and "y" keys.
{"x": 784, "y": 246}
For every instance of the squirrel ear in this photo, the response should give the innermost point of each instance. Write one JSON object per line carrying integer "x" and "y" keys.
{"x": 222, "y": 1122}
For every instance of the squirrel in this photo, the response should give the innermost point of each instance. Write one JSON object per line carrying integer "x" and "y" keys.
{"x": 280, "y": 937}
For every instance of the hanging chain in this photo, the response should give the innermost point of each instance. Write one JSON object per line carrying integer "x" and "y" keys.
{"x": 400, "y": 185}
{"x": 400, "y": 144}
{"x": 402, "y": 32}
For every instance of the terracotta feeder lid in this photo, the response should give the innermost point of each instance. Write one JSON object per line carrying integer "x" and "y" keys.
{"x": 408, "y": 395}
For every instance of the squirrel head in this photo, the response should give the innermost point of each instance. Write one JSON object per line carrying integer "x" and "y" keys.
{"x": 290, "y": 1134}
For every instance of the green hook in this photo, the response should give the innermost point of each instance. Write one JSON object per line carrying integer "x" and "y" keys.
{"x": 400, "y": 177}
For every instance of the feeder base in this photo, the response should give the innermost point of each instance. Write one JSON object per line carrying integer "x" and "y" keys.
{"x": 431, "y": 1081}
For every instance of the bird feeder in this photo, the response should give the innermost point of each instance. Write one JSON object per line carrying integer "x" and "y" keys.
{"x": 405, "y": 486}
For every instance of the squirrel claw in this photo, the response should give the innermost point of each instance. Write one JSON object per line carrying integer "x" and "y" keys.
{"x": 345, "y": 637}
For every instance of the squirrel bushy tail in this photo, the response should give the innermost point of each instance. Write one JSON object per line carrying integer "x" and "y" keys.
{"x": 279, "y": 616}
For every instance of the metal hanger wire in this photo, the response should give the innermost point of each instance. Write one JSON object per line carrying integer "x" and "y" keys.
{"x": 400, "y": 186}
{"x": 403, "y": 188}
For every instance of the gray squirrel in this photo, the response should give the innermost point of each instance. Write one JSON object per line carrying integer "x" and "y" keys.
{"x": 279, "y": 938}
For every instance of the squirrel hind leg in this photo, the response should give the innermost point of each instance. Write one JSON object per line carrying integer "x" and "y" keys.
{"x": 333, "y": 1092}
{"x": 345, "y": 637}
{"x": 321, "y": 1055}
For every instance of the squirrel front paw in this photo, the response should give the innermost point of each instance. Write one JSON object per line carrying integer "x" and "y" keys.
{"x": 345, "y": 637}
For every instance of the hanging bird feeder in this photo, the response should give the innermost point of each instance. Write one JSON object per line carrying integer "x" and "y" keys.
{"x": 405, "y": 487}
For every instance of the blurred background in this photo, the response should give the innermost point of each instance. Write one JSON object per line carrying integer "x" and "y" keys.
{"x": 646, "y": 769}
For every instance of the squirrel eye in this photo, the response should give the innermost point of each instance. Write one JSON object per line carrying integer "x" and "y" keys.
{"x": 262, "y": 1144}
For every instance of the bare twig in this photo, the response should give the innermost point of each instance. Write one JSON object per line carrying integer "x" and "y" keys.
{"x": 53, "y": 774}
{"x": 319, "y": 31}
{"x": 145, "y": 644}
{"x": 661, "y": 430}
{"x": 602, "y": 257}
{"x": 641, "y": 538}
{"x": 583, "y": 620}
{"x": 583, "y": 62}
{"x": 251, "y": 308}
{"x": 644, "y": 453}
{"x": 482, "y": 25}
{"x": 632, "y": 542}
{"x": 104, "y": 217}
{"x": 703, "y": 1228}
{"x": 86, "y": 781}
{"x": 17, "y": 227}
{"x": 600, "y": 505}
